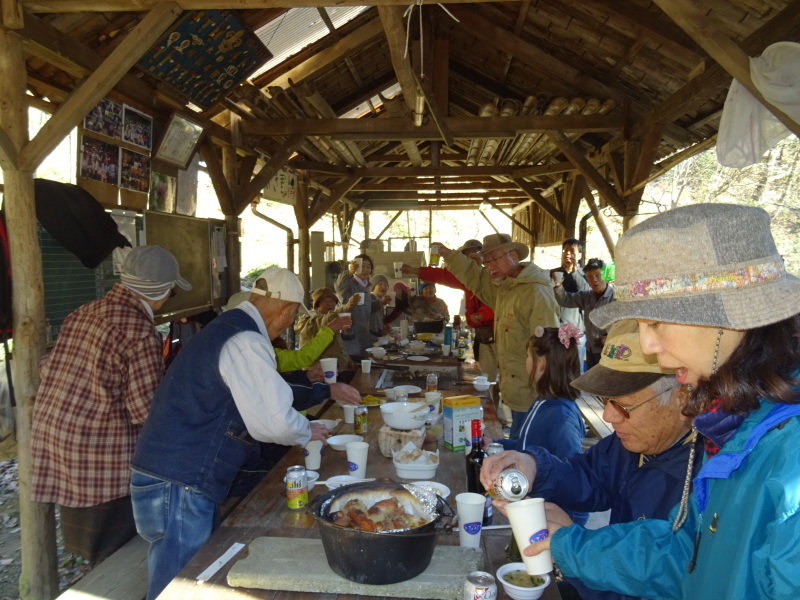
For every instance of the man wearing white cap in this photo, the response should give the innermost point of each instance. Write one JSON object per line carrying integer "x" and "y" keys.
{"x": 96, "y": 389}
{"x": 222, "y": 392}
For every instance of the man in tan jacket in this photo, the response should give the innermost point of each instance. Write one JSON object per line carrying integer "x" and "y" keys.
{"x": 521, "y": 296}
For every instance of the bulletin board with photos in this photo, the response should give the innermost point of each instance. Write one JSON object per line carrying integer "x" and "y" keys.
{"x": 116, "y": 162}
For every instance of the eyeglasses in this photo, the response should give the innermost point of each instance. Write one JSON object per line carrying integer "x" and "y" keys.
{"x": 487, "y": 261}
{"x": 625, "y": 411}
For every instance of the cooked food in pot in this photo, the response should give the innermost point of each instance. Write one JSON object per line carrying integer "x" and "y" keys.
{"x": 385, "y": 515}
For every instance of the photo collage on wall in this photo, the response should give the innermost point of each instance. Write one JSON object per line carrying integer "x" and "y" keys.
{"x": 104, "y": 161}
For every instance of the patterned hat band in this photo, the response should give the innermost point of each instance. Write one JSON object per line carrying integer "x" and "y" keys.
{"x": 711, "y": 281}
{"x": 154, "y": 290}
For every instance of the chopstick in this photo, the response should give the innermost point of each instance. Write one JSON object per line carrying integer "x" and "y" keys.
{"x": 488, "y": 527}
{"x": 343, "y": 482}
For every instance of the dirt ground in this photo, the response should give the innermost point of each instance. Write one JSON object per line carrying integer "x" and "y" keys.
{"x": 70, "y": 568}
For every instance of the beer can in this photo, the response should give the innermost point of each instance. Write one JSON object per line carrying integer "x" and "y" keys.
{"x": 494, "y": 448}
{"x": 480, "y": 586}
{"x": 360, "y": 425}
{"x": 510, "y": 485}
{"x": 296, "y": 487}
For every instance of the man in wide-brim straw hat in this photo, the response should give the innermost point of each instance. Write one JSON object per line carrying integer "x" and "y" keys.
{"x": 522, "y": 299}
{"x": 715, "y": 303}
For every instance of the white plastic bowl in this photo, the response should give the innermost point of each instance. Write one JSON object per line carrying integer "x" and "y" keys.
{"x": 339, "y": 442}
{"x": 328, "y": 423}
{"x": 412, "y": 471}
{"x": 398, "y": 415}
{"x": 481, "y": 387}
{"x": 377, "y": 352}
{"x": 521, "y": 593}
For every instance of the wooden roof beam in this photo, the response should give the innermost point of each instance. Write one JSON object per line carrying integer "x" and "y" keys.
{"x": 461, "y": 172}
{"x": 337, "y": 192}
{"x": 722, "y": 49}
{"x": 68, "y": 6}
{"x": 714, "y": 79}
{"x": 530, "y": 54}
{"x": 582, "y": 164}
{"x": 278, "y": 159}
{"x": 99, "y": 83}
{"x": 401, "y": 186}
{"x": 537, "y": 197}
{"x": 462, "y": 127}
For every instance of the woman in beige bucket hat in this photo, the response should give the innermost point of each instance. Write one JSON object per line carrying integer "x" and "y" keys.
{"x": 714, "y": 302}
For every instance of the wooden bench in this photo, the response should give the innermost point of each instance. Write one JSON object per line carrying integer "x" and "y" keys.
{"x": 592, "y": 411}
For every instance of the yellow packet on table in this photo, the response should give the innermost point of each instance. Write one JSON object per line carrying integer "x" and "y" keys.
{"x": 370, "y": 400}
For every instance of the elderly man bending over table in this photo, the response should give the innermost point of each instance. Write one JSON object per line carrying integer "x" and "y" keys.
{"x": 222, "y": 392}
{"x": 637, "y": 472}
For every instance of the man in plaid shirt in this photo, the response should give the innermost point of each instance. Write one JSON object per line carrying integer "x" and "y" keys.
{"x": 95, "y": 393}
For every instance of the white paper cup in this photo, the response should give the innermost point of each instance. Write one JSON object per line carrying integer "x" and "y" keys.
{"x": 349, "y": 411}
{"x": 313, "y": 454}
{"x": 445, "y": 349}
{"x": 398, "y": 270}
{"x": 558, "y": 276}
{"x": 366, "y": 366}
{"x": 433, "y": 399}
{"x": 359, "y": 265}
{"x": 329, "y": 369}
{"x": 529, "y": 524}
{"x": 357, "y": 458}
{"x": 361, "y": 297}
{"x": 469, "y": 507}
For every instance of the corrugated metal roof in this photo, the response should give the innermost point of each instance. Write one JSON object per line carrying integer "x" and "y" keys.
{"x": 297, "y": 28}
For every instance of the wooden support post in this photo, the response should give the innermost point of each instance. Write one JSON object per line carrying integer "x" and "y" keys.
{"x": 233, "y": 254}
{"x": 304, "y": 237}
{"x": 39, "y": 577}
{"x": 598, "y": 217}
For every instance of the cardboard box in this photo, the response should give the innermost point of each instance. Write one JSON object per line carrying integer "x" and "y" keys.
{"x": 458, "y": 411}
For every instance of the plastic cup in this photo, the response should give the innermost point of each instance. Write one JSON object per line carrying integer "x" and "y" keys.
{"x": 398, "y": 270}
{"x": 357, "y": 458}
{"x": 329, "y": 369}
{"x": 390, "y": 394}
{"x": 529, "y": 524}
{"x": 445, "y": 349}
{"x": 366, "y": 366}
{"x": 359, "y": 265}
{"x": 349, "y": 411}
{"x": 469, "y": 507}
{"x": 313, "y": 454}
{"x": 558, "y": 276}
{"x": 361, "y": 297}
{"x": 349, "y": 316}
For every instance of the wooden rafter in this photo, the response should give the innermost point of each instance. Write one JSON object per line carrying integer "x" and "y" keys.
{"x": 522, "y": 15}
{"x": 337, "y": 192}
{"x": 462, "y": 127}
{"x": 582, "y": 164}
{"x": 278, "y": 159}
{"x": 668, "y": 163}
{"x": 67, "y": 6}
{"x": 721, "y": 48}
{"x": 539, "y": 199}
{"x": 97, "y": 85}
{"x": 391, "y": 17}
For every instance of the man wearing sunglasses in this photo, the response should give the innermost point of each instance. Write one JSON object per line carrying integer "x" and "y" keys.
{"x": 637, "y": 472}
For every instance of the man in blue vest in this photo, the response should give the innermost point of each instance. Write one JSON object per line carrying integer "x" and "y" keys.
{"x": 220, "y": 395}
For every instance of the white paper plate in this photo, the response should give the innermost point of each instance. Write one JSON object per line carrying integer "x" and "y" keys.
{"x": 419, "y": 358}
{"x": 408, "y": 389}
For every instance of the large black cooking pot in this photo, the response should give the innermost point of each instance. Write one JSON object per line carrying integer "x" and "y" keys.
{"x": 429, "y": 326}
{"x": 377, "y": 558}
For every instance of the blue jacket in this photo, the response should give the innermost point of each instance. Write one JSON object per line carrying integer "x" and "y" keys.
{"x": 607, "y": 476}
{"x": 194, "y": 435}
{"x": 555, "y": 425}
{"x": 748, "y": 532}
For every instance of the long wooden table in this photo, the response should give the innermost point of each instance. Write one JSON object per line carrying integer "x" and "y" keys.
{"x": 264, "y": 511}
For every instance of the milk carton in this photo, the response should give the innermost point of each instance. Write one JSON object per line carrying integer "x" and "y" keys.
{"x": 458, "y": 411}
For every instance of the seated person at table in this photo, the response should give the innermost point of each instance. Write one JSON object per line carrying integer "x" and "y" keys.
{"x": 325, "y": 312}
{"x": 380, "y": 287}
{"x": 427, "y": 307}
{"x": 222, "y": 392}
{"x": 553, "y": 421}
{"x": 402, "y": 301}
{"x": 637, "y": 472}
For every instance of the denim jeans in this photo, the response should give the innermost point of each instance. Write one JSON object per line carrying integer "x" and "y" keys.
{"x": 175, "y": 519}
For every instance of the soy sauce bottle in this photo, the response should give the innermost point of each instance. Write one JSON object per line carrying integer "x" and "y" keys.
{"x": 474, "y": 464}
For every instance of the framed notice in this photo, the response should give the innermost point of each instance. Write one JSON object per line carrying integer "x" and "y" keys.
{"x": 181, "y": 137}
